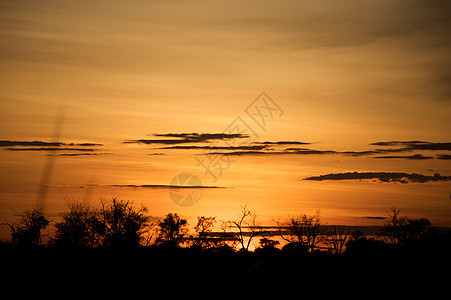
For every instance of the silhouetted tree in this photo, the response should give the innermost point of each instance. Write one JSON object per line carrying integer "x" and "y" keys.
{"x": 267, "y": 246}
{"x": 295, "y": 248}
{"x": 402, "y": 230}
{"x": 359, "y": 244}
{"x": 336, "y": 239}
{"x": 243, "y": 223}
{"x": 394, "y": 230}
{"x": 172, "y": 230}
{"x": 267, "y": 243}
{"x": 12, "y": 228}
{"x": 81, "y": 227}
{"x": 28, "y": 232}
{"x": 203, "y": 228}
{"x": 418, "y": 228}
{"x": 121, "y": 224}
{"x": 227, "y": 239}
{"x": 302, "y": 231}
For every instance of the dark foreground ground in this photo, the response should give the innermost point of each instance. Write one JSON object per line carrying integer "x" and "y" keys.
{"x": 156, "y": 268}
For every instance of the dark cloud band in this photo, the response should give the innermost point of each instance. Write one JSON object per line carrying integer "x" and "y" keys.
{"x": 166, "y": 186}
{"x": 7, "y": 143}
{"x": 382, "y": 177}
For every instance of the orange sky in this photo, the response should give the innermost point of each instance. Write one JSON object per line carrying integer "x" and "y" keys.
{"x": 345, "y": 73}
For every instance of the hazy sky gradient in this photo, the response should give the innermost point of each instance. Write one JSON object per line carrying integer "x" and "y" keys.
{"x": 346, "y": 74}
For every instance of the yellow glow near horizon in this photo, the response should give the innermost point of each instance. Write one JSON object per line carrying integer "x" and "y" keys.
{"x": 347, "y": 74}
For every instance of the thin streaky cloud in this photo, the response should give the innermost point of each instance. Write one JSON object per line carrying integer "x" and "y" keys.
{"x": 202, "y": 137}
{"x": 218, "y": 147}
{"x": 284, "y": 143}
{"x": 374, "y": 217}
{"x": 184, "y": 138}
{"x": 416, "y": 145}
{"x": 296, "y": 152}
{"x": 51, "y": 149}
{"x": 166, "y": 186}
{"x": 414, "y": 157}
{"x": 395, "y": 143}
{"x": 81, "y": 154}
{"x": 9, "y": 143}
{"x": 382, "y": 177}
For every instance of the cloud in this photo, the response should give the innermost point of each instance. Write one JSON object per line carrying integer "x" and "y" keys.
{"x": 166, "y": 186}
{"x": 81, "y": 154}
{"x": 430, "y": 146}
{"x": 382, "y": 177}
{"x": 408, "y": 146}
{"x": 174, "y": 140}
{"x": 295, "y": 149}
{"x": 374, "y": 217}
{"x": 149, "y": 142}
{"x": 8, "y": 143}
{"x": 360, "y": 153}
{"x": 415, "y": 145}
{"x": 298, "y": 151}
{"x": 284, "y": 143}
{"x": 443, "y": 156}
{"x": 29, "y": 143}
{"x": 395, "y": 143}
{"x": 50, "y": 146}
{"x": 204, "y": 137}
{"x": 416, "y": 156}
{"x": 183, "y": 138}
{"x": 51, "y": 149}
{"x": 218, "y": 147}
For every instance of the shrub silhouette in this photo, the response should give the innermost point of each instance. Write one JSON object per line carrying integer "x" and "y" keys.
{"x": 359, "y": 244}
{"x": 28, "y": 232}
{"x": 117, "y": 224}
{"x": 81, "y": 227}
{"x": 172, "y": 231}
{"x": 122, "y": 225}
{"x": 302, "y": 231}
{"x": 203, "y": 239}
{"x": 400, "y": 231}
{"x": 267, "y": 246}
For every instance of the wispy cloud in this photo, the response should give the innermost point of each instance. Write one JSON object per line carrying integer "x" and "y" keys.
{"x": 443, "y": 156}
{"x": 407, "y": 146}
{"x": 9, "y": 143}
{"x": 284, "y": 143}
{"x": 396, "y": 143}
{"x": 166, "y": 186}
{"x": 415, "y": 156}
{"x": 51, "y": 149}
{"x": 298, "y": 151}
{"x": 217, "y": 147}
{"x": 382, "y": 177}
{"x": 183, "y": 138}
{"x": 81, "y": 154}
{"x": 374, "y": 217}
{"x": 373, "y": 152}
{"x": 416, "y": 145}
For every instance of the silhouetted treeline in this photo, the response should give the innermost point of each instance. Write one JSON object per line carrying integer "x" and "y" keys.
{"x": 118, "y": 224}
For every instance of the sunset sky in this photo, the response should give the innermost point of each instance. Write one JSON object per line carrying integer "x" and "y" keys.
{"x": 118, "y": 97}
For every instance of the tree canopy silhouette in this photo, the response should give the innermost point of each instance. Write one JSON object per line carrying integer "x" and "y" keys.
{"x": 121, "y": 224}
{"x": 80, "y": 227}
{"x": 302, "y": 231}
{"x": 172, "y": 230}
{"x": 28, "y": 232}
